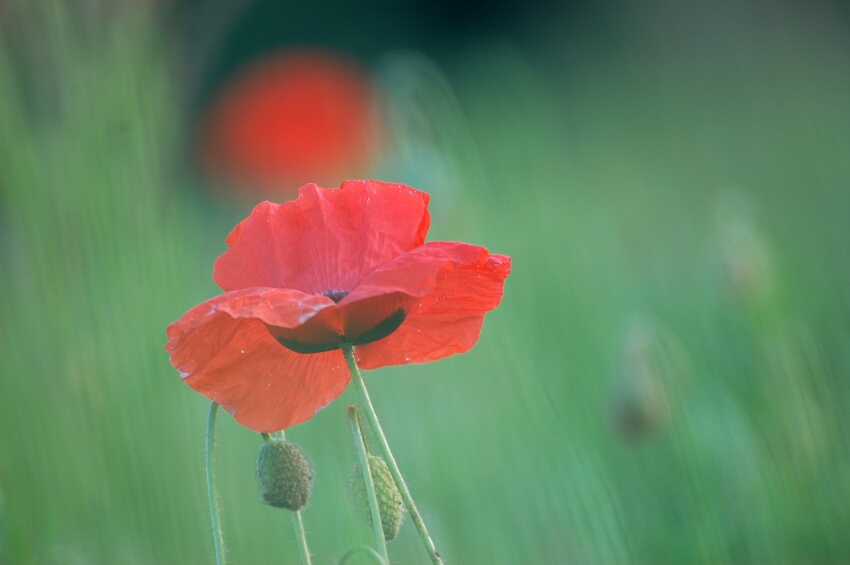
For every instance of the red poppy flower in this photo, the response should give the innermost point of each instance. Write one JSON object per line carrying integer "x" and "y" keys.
{"x": 288, "y": 117}
{"x": 336, "y": 267}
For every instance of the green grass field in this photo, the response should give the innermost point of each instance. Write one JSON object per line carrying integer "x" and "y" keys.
{"x": 665, "y": 382}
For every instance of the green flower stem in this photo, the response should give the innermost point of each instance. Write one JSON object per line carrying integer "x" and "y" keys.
{"x": 216, "y": 521}
{"x": 300, "y": 534}
{"x": 388, "y": 456}
{"x": 302, "y": 537}
{"x": 360, "y": 549}
{"x": 363, "y": 455}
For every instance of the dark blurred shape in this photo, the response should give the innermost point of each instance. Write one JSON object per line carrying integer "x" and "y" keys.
{"x": 450, "y": 18}
{"x": 640, "y": 406}
{"x": 292, "y": 117}
{"x": 217, "y": 37}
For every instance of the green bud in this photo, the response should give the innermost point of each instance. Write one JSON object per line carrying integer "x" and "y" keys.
{"x": 285, "y": 473}
{"x": 390, "y": 504}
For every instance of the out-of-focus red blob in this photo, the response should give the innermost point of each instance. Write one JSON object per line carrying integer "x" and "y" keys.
{"x": 291, "y": 117}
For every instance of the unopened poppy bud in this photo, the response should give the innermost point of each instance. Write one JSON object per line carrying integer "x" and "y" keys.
{"x": 285, "y": 473}
{"x": 745, "y": 252}
{"x": 640, "y": 405}
{"x": 390, "y": 504}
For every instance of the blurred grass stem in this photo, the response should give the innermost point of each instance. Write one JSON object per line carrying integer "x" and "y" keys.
{"x": 297, "y": 521}
{"x": 388, "y": 456}
{"x": 363, "y": 455}
{"x": 214, "y": 516}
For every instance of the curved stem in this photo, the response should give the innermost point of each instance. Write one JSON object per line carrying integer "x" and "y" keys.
{"x": 388, "y": 456}
{"x": 365, "y": 469}
{"x": 300, "y": 534}
{"x": 360, "y": 548}
{"x": 216, "y": 521}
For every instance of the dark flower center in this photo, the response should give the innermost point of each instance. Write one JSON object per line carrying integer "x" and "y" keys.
{"x": 336, "y": 295}
{"x": 379, "y": 331}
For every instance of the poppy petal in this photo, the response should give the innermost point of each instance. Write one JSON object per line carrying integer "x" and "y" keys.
{"x": 229, "y": 356}
{"x": 234, "y": 233}
{"x": 415, "y": 273}
{"x": 326, "y": 240}
{"x": 447, "y": 318}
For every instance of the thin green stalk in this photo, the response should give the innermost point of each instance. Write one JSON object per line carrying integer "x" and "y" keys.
{"x": 216, "y": 521}
{"x": 366, "y": 470}
{"x": 388, "y": 456}
{"x": 302, "y": 537}
{"x": 298, "y": 522}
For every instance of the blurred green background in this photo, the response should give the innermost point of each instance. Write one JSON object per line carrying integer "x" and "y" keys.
{"x": 666, "y": 380}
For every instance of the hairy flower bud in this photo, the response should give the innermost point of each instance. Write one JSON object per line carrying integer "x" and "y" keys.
{"x": 390, "y": 504}
{"x": 285, "y": 473}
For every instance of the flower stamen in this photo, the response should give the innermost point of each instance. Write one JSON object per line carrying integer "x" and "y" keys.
{"x": 336, "y": 295}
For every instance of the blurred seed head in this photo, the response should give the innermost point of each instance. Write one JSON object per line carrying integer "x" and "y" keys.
{"x": 427, "y": 142}
{"x": 640, "y": 404}
{"x": 285, "y": 474}
{"x": 745, "y": 260}
{"x": 390, "y": 503}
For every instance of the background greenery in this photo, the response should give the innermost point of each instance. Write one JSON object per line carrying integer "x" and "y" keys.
{"x": 666, "y": 380}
